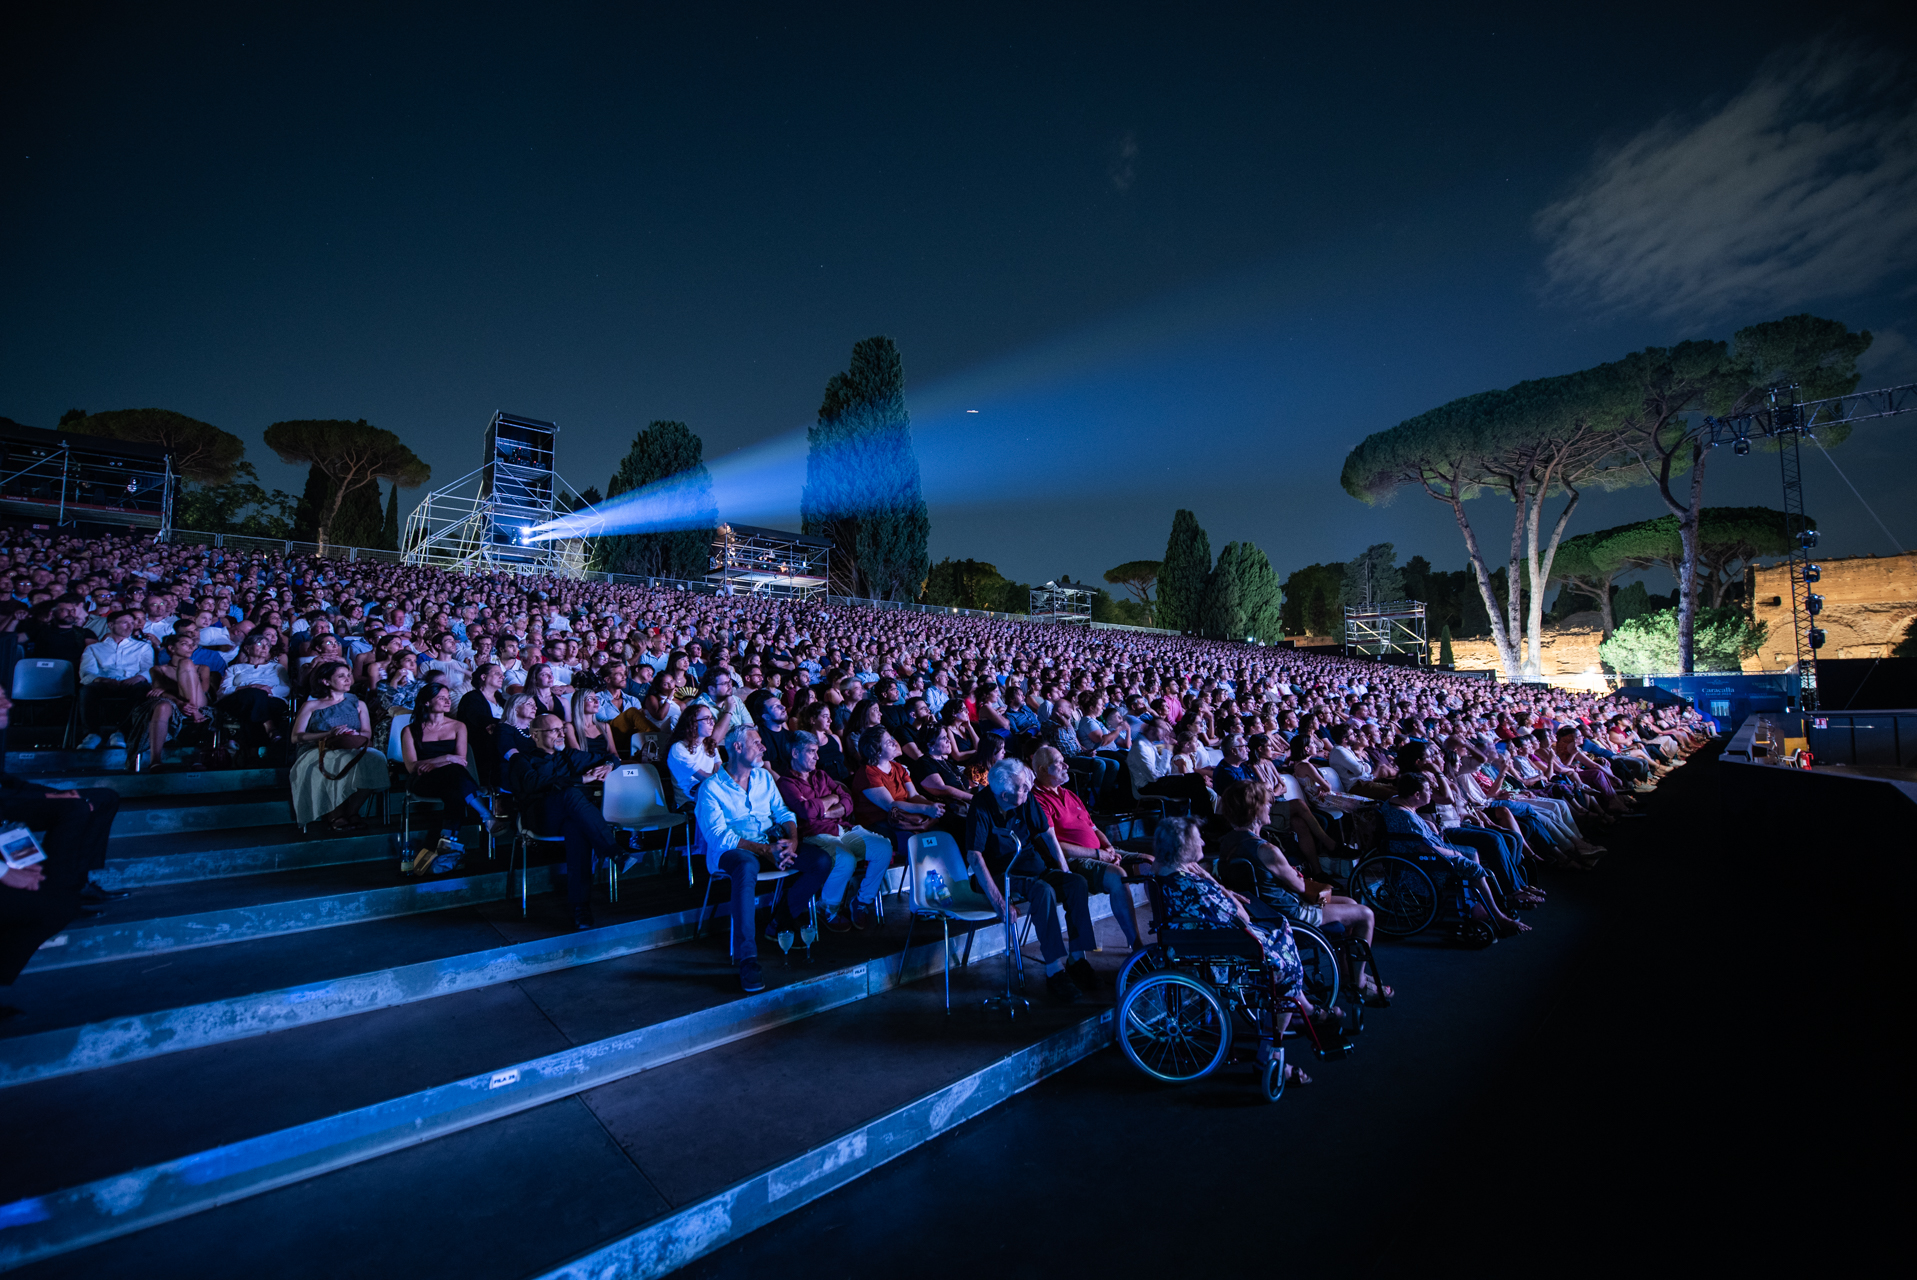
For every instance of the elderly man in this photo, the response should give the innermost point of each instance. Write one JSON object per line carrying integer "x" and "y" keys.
{"x": 545, "y": 784}
{"x": 1088, "y": 850}
{"x": 822, "y": 805}
{"x": 1008, "y": 830}
{"x": 747, "y": 829}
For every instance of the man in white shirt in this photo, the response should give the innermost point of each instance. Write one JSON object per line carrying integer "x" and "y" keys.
{"x": 747, "y": 828}
{"x": 115, "y": 676}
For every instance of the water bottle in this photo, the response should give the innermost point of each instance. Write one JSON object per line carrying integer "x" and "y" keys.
{"x": 937, "y": 892}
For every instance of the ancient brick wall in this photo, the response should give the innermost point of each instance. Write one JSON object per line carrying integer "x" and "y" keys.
{"x": 1868, "y": 601}
{"x": 1568, "y": 652}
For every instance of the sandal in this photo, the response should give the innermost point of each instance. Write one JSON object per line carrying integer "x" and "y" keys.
{"x": 1513, "y": 929}
{"x": 1372, "y": 995}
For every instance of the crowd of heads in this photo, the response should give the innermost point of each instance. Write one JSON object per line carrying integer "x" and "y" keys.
{"x": 519, "y": 635}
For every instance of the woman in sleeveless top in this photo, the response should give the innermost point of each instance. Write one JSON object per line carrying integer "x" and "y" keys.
{"x": 433, "y": 748}
{"x": 332, "y": 778}
{"x": 178, "y": 695}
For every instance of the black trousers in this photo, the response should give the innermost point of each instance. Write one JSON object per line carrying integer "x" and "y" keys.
{"x": 570, "y": 814}
{"x": 1189, "y": 787}
{"x": 105, "y": 706}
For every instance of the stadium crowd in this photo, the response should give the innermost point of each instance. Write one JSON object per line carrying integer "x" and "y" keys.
{"x": 810, "y": 738}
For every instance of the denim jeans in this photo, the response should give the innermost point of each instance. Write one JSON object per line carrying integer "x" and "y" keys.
{"x": 810, "y": 868}
{"x": 847, "y": 849}
{"x": 1497, "y": 853}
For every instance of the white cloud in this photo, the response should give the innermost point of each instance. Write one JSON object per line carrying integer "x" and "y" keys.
{"x": 1802, "y": 186}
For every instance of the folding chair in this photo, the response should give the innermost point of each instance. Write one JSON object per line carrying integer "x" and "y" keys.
{"x": 44, "y": 680}
{"x": 949, "y": 896}
{"x": 635, "y": 802}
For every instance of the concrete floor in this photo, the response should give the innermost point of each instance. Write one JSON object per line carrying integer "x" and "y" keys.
{"x": 1679, "y": 1067}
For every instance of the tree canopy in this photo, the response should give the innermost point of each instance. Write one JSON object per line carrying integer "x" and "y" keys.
{"x": 1648, "y": 645}
{"x": 1311, "y": 600}
{"x": 242, "y": 505}
{"x": 667, "y": 458}
{"x": 201, "y": 452}
{"x": 1137, "y": 577}
{"x": 1372, "y": 577}
{"x": 1631, "y": 421}
{"x": 1243, "y": 599}
{"x": 862, "y": 486}
{"x": 353, "y": 455}
{"x": 974, "y": 584}
{"x": 1730, "y": 538}
{"x": 1183, "y": 574}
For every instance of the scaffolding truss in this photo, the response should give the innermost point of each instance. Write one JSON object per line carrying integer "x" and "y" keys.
{"x": 1375, "y": 630}
{"x": 479, "y": 522}
{"x": 750, "y": 561}
{"x": 60, "y": 478}
{"x": 1055, "y": 603}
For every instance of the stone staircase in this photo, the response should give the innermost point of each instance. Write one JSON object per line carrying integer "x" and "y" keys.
{"x": 278, "y": 1056}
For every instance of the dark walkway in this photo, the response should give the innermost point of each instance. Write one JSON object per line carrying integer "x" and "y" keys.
{"x": 1615, "y": 1087}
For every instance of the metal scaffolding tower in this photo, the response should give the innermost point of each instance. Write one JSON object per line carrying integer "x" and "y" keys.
{"x": 1374, "y": 630}
{"x": 1789, "y": 423}
{"x": 1055, "y": 603}
{"x": 480, "y": 521}
{"x": 750, "y": 561}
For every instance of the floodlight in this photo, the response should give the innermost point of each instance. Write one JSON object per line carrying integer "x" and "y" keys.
{"x": 1812, "y": 573}
{"x": 1807, "y": 539}
{"x": 1817, "y": 638}
{"x": 1814, "y": 604}
{"x": 1741, "y": 446}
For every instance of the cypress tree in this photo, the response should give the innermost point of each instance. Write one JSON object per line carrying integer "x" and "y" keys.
{"x": 1183, "y": 574}
{"x": 389, "y": 531}
{"x": 1243, "y": 597}
{"x": 681, "y": 514}
{"x": 862, "y": 485}
{"x": 358, "y": 523}
{"x": 1445, "y": 657}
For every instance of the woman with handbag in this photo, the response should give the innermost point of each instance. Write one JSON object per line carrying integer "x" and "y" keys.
{"x": 178, "y": 695}
{"x": 884, "y": 797}
{"x": 336, "y": 768}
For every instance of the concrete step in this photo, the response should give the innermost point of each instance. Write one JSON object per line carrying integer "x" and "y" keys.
{"x": 165, "y": 813}
{"x": 163, "y": 919}
{"x": 174, "y": 783}
{"x": 754, "y": 1102}
{"x": 173, "y": 857}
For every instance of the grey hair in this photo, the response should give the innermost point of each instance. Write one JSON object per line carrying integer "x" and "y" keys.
{"x": 512, "y": 707}
{"x": 1005, "y": 777}
{"x": 1168, "y": 842}
{"x": 736, "y": 735}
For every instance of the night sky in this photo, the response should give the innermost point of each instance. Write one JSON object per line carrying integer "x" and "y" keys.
{"x": 1173, "y": 256}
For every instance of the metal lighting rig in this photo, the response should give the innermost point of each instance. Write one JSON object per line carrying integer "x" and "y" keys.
{"x": 1790, "y": 423}
{"x": 1374, "y": 630}
{"x": 482, "y": 520}
{"x": 1054, "y": 602}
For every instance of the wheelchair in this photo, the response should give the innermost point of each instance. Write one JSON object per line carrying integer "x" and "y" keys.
{"x": 1185, "y": 1000}
{"x": 1410, "y": 890}
{"x": 1330, "y": 955}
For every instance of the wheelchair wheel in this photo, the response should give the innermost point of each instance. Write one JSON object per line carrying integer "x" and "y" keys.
{"x": 1320, "y": 960}
{"x": 1150, "y": 960}
{"x": 1173, "y": 1027}
{"x": 1271, "y": 1079}
{"x": 1476, "y": 933}
{"x": 1398, "y": 892}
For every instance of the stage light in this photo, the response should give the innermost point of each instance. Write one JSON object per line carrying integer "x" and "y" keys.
{"x": 1817, "y": 638}
{"x": 1807, "y": 539}
{"x": 1814, "y": 604}
{"x": 1741, "y": 447}
{"x": 1812, "y": 573}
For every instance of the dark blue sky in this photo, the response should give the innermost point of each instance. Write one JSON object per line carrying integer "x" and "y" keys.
{"x": 1174, "y": 257}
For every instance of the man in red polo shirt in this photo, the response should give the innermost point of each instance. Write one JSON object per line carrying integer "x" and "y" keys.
{"x": 1086, "y": 849}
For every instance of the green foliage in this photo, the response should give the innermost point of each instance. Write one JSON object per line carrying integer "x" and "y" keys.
{"x": 664, "y": 451}
{"x": 1137, "y": 577}
{"x": 1183, "y": 575}
{"x": 201, "y": 452}
{"x": 1446, "y": 658}
{"x": 1243, "y": 599}
{"x": 1311, "y": 600}
{"x": 974, "y": 584}
{"x": 1906, "y": 647}
{"x": 353, "y": 456}
{"x": 862, "y": 485}
{"x": 1729, "y": 538}
{"x": 1648, "y": 644}
{"x": 1128, "y": 613}
{"x": 1446, "y": 595}
{"x": 242, "y": 505}
{"x": 359, "y": 522}
{"x": 72, "y": 415}
{"x": 1386, "y": 584}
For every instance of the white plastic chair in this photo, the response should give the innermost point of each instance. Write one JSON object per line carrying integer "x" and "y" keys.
{"x": 935, "y": 853}
{"x": 634, "y": 801}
